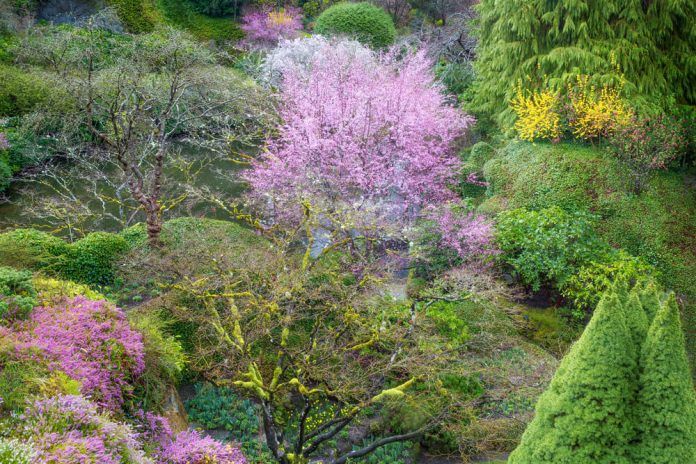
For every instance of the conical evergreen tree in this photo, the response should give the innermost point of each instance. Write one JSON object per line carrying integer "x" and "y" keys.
{"x": 650, "y": 300}
{"x": 582, "y": 417}
{"x": 666, "y": 402}
{"x": 636, "y": 321}
{"x": 537, "y": 40}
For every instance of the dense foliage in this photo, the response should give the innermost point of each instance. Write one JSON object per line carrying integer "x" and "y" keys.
{"x": 644, "y": 43}
{"x": 614, "y": 397}
{"x": 363, "y": 21}
{"x": 237, "y": 231}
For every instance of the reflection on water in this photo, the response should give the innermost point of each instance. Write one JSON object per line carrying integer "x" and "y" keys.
{"x": 68, "y": 199}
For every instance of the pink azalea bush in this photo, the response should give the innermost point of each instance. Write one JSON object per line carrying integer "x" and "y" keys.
{"x": 266, "y": 27}
{"x": 70, "y": 429}
{"x": 187, "y": 447}
{"x": 366, "y": 141}
{"x": 90, "y": 341}
{"x": 190, "y": 447}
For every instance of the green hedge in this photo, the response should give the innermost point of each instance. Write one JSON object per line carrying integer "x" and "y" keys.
{"x": 364, "y": 21}
{"x": 89, "y": 260}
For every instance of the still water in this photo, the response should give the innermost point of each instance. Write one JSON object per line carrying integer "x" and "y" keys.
{"x": 69, "y": 198}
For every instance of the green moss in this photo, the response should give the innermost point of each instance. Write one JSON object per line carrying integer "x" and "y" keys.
{"x": 573, "y": 177}
{"x": 548, "y": 329}
{"x": 364, "y": 21}
{"x": 137, "y": 16}
{"x": 179, "y": 233}
{"x": 183, "y": 14}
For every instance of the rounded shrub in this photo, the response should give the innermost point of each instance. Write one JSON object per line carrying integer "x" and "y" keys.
{"x": 91, "y": 259}
{"x": 364, "y": 21}
{"x": 20, "y": 92}
{"x": 134, "y": 14}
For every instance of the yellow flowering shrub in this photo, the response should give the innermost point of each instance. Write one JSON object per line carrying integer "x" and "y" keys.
{"x": 595, "y": 112}
{"x": 537, "y": 114}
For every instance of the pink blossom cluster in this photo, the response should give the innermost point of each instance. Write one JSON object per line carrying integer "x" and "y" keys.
{"x": 69, "y": 429}
{"x": 470, "y": 235}
{"x": 372, "y": 139}
{"x": 265, "y": 27}
{"x": 188, "y": 447}
{"x": 4, "y": 143}
{"x": 90, "y": 341}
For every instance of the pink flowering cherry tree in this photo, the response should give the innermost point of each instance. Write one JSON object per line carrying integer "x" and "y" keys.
{"x": 367, "y": 142}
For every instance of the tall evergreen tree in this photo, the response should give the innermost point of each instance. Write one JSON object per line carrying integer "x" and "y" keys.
{"x": 666, "y": 402}
{"x": 650, "y": 300}
{"x": 582, "y": 417}
{"x": 557, "y": 40}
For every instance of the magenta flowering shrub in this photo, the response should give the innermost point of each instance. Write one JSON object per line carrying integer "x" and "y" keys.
{"x": 70, "y": 429}
{"x": 266, "y": 27}
{"x": 367, "y": 142}
{"x": 90, "y": 341}
{"x": 470, "y": 235}
{"x": 188, "y": 447}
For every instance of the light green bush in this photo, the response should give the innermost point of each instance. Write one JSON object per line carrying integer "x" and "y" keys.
{"x": 666, "y": 409}
{"x": 584, "y": 414}
{"x": 364, "y": 21}
{"x": 91, "y": 260}
{"x": 50, "y": 291}
{"x": 20, "y": 92}
{"x": 549, "y": 246}
{"x": 17, "y": 293}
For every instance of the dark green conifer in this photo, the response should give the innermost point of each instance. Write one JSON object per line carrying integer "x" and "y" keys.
{"x": 650, "y": 43}
{"x": 583, "y": 416}
{"x": 666, "y": 405}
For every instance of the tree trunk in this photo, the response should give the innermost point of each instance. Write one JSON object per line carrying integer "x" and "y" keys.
{"x": 154, "y": 226}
